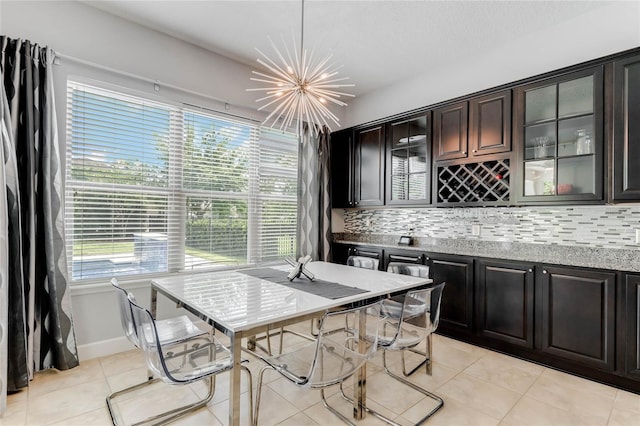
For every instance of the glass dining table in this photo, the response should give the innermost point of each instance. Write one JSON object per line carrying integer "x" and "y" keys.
{"x": 244, "y": 303}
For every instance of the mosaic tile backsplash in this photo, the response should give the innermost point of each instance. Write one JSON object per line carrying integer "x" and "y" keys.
{"x": 589, "y": 226}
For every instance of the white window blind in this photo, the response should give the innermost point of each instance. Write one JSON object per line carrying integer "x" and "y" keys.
{"x": 153, "y": 187}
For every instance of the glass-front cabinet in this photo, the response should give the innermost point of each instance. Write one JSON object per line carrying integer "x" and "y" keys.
{"x": 409, "y": 160}
{"x": 559, "y": 137}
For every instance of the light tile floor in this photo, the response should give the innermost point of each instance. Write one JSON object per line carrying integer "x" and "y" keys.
{"x": 479, "y": 387}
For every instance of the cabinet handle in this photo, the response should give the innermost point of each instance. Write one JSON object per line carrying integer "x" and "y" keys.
{"x": 544, "y": 271}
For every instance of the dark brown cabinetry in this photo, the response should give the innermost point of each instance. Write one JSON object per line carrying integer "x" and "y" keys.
{"x": 409, "y": 161}
{"x": 631, "y": 345}
{"x": 450, "y": 131}
{"x": 368, "y": 167}
{"x": 456, "y": 310}
{"x": 490, "y": 124}
{"x": 357, "y": 167}
{"x": 626, "y": 152}
{"x": 558, "y": 134}
{"x": 505, "y": 302}
{"x": 576, "y": 310}
{"x": 341, "y": 168}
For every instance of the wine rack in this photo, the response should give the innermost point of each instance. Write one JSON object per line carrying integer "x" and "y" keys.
{"x": 486, "y": 182}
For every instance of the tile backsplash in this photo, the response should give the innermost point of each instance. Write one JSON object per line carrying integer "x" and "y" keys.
{"x": 592, "y": 226}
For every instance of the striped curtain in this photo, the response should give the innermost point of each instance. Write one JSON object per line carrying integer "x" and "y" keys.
{"x": 40, "y": 325}
{"x": 314, "y": 203}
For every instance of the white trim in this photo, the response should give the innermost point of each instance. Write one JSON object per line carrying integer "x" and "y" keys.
{"x": 104, "y": 348}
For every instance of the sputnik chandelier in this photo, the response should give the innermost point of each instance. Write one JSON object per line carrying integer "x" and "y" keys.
{"x": 299, "y": 87}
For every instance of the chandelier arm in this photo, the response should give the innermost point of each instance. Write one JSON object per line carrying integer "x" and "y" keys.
{"x": 280, "y": 108}
{"x": 272, "y": 78}
{"x": 310, "y": 118}
{"x": 284, "y": 62}
{"x": 331, "y": 93}
{"x": 321, "y": 67}
{"x": 324, "y": 110}
{"x": 276, "y": 70}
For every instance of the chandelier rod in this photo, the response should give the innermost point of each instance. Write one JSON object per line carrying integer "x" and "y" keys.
{"x": 302, "y": 30}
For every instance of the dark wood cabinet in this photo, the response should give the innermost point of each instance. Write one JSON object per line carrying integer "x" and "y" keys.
{"x": 626, "y": 122}
{"x": 490, "y": 124}
{"x": 631, "y": 319}
{"x": 408, "y": 171}
{"x": 368, "y": 167}
{"x": 456, "y": 309}
{"x": 559, "y": 138}
{"x": 342, "y": 168}
{"x": 357, "y": 167}
{"x": 505, "y": 301}
{"x": 450, "y": 131}
{"x": 576, "y": 315}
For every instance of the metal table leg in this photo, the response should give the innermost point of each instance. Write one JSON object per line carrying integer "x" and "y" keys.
{"x": 234, "y": 382}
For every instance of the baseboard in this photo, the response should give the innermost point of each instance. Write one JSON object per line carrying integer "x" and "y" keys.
{"x": 104, "y": 348}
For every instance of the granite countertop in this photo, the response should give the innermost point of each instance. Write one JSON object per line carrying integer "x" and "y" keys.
{"x": 590, "y": 257}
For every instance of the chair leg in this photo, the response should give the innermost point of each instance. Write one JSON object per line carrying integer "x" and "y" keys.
{"x": 176, "y": 413}
{"x": 256, "y": 406}
{"x": 426, "y": 362}
{"x": 116, "y": 394}
{"x": 414, "y": 387}
{"x": 367, "y": 409}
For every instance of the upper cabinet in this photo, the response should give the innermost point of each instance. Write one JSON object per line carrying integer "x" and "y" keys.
{"x": 450, "y": 131}
{"x": 490, "y": 124}
{"x": 357, "y": 167}
{"x": 408, "y": 174}
{"x": 487, "y": 119}
{"x": 626, "y": 152}
{"x": 558, "y": 132}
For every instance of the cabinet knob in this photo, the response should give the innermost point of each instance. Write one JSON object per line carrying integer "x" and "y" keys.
{"x": 464, "y": 152}
{"x": 474, "y": 150}
{"x": 544, "y": 271}
{"x": 356, "y": 203}
{"x": 530, "y": 270}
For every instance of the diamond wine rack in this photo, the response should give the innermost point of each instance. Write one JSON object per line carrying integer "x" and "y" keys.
{"x": 486, "y": 182}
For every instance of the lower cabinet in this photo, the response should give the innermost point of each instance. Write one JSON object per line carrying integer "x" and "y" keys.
{"x": 631, "y": 346}
{"x": 582, "y": 320}
{"x": 505, "y": 302}
{"x": 577, "y": 315}
{"x": 456, "y": 307}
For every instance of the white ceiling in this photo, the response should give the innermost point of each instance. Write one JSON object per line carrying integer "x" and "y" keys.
{"x": 379, "y": 43}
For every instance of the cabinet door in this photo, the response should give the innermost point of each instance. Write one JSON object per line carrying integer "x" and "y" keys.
{"x": 490, "y": 124}
{"x": 456, "y": 308}
{"x": 342, "y": 169}
{"x": 450, "y": 132}
{"x": 409, "y": 161}
{"x": 632, "y": 323}
{"x": 504, "y": 301}
{"x": 369, "y": 167}
{"x": 626, "y": 155}
{"x": 559, "y": 138}
{"x": 577, "y": 315}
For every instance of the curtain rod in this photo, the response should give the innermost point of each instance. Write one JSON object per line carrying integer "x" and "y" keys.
{"x": 156, "y": 83}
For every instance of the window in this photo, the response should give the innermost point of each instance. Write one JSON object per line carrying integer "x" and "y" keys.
{"x": 154, "y": 187}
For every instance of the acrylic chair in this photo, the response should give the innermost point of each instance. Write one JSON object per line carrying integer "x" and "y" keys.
{"x": 171, "y": 331}
{"x": 417, "y": 320}
{"x": 393, "y": 306}
{"x": 205, "y": 361}
{"x": 332, "y": 358}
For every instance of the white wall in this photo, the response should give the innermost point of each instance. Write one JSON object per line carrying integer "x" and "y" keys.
{"x": 77, "y": 30}
{"x": 609, "y": 29}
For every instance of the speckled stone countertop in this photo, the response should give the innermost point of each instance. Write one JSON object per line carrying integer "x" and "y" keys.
{"x": 590, "y": 257}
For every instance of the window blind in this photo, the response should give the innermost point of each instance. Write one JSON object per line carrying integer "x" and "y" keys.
{"x": 154, "y": 187}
